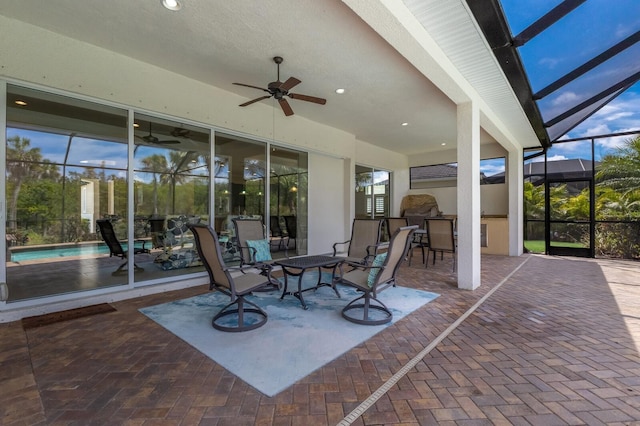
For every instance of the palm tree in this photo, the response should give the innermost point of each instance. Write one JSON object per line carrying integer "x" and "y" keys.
{"x": 155, "y": 164}
{"x": 176, "y": 172}
{"x": 621, "y": 170}
{"x": 23, "y": 164}
{"x": 533, "y": 201}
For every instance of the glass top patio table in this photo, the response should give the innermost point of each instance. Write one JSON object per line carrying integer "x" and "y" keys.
{"x": 296, "y": 267}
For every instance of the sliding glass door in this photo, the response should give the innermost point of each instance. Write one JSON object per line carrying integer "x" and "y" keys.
{"x": 372, "y": 192}
{"x": 66, "y": 167}
{"x": 171, "y": 191}
{"x": 288, "y": 200}
{"x": 80, "y": 212}
{"x": 372, "y": 195}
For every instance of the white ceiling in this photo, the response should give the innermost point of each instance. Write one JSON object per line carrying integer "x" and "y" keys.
{"x": 323, "y": 43}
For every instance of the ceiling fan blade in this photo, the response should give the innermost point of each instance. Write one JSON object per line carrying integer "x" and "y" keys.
{"x": 180, "y": 132}
{"x": 308, "y": 98}
{"x": 290, "y": 83}
{"x": 255, "y": 100}
{"x": 167, "y": 142}
{"x": 286, "y": 108}
{"x": 253, "y": 87}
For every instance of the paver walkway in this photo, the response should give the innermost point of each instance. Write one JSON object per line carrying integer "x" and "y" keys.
{"x": 555, "y": 343}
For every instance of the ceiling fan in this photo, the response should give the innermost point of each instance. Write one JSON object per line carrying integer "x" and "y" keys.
{"x": 180, "y": 132}
{"x": 155, "y": 140}
{"x": 279, "y": 90}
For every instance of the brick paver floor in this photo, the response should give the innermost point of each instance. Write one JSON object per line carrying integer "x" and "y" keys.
{"x": 555, "y": 342}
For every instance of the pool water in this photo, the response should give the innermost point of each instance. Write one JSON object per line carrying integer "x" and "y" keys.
{"x": 46, "y": 253}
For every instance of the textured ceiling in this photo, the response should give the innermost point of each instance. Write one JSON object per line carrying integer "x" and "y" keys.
{"x": 219, "y": 42}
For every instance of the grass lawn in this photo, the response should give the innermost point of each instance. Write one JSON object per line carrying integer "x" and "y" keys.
{"x": 534, "y": 246}
{"x": 537, "y": 246}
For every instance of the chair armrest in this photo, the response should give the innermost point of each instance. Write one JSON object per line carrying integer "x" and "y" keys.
{"x": 144, "y": 249}
{"x": 356, "y": 265}
{"x": 372, "y": 250}
{"x": 335, "y": 249}
{"x": 239, "y": 268}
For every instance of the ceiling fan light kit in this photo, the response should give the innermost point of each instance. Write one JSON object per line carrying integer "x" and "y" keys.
{"x": 279, "y": 90}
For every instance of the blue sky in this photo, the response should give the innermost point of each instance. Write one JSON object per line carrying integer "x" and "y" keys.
{"x": 587, "y": 31}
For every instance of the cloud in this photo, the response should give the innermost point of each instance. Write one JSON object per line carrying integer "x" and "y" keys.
{"x": 597, "y": 129}
{"x": 620, "y": 115}
{"x": 565, "y": 98}
{"x": 549, "y": 63}
{"x": 557, "y": 157}
{"x": 492, "y": 169}
{"x": 614, "y": 142}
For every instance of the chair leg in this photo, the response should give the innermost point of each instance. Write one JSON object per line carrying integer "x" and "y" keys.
{"x": 121, "y": 269}
{"x": 239, "y": 311}
{"x": 365, "y": 306}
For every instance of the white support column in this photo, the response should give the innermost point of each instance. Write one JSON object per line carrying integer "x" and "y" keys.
{"x": 516, "y": 210}
{"x": 468, "y": 122}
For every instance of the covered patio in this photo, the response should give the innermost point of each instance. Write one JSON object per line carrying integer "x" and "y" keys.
{"x": 513, "y": 339}
{"x": 544, "y": 340}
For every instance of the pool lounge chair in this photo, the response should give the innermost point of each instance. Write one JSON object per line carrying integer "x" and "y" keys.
{"x": 115, "y": 248}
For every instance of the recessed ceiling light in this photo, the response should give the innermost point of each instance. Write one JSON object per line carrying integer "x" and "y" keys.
{"x": 339, "y": 91}
{"x": 443, "y": 143}
{"x": 405, "y": 124}
{"x": 20, "y": 102}
{"x": 172, "y": 4}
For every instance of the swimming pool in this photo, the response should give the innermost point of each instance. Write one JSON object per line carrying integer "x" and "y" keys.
{"x": 35, "y": 253}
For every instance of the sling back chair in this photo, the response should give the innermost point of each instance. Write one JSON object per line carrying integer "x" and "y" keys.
{"x": 235, "y": 316}
{"x": 441, "y": 236}
{"x": 253, "y": 246}
{"x": 372, "y": 279}
{"x": 419, "y": 239}
{"x": 364, "y": 242}
{"x": 115, "y": 248}
{"x": 395, "y": 223}
{"x": 291, "y": 225}
{"x": 277, "y": 239}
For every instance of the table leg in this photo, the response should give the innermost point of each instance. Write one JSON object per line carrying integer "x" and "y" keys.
{"x": 297, "y": 294}
{"x": 332, "y": 284}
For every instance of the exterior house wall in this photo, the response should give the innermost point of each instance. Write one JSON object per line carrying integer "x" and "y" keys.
{"x": 36, "y": 56}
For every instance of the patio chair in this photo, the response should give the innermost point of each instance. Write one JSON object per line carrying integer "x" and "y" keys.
{"x": 418, "y": 239}
{"x": 253, "y": 246}
{"x": 277, "y": 240}
{"x": 364, "y": 242}
{"x": 441, "y": 236}
{"x": 158, "y": 231}
{"x": 115, "y": 248}
{"x": 372, "y": 279}
{"x": 395, "y": 223}
{"x": 291, "y": 225}
{"x": 235, "y": 287}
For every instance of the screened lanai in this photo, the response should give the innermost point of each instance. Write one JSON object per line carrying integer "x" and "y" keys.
{"x": 575, "y": 66}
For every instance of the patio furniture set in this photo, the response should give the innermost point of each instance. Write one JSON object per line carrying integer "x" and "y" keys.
{"x": 370, "y": 267}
